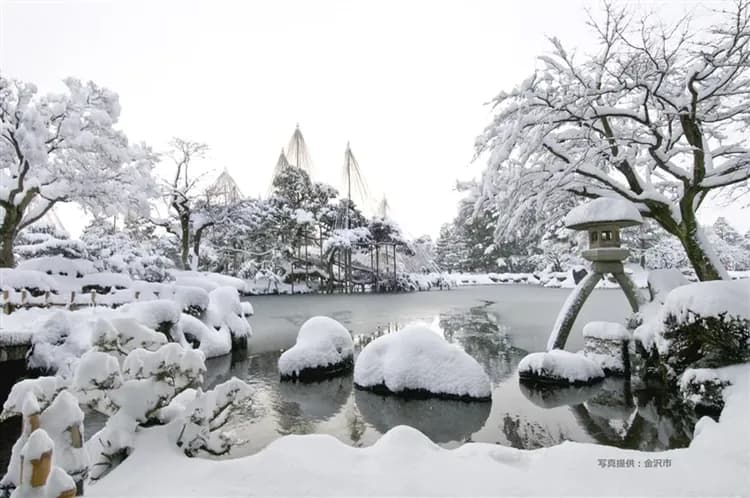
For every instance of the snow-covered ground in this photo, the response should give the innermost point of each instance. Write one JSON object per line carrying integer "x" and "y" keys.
{"x": 405, "y": 463}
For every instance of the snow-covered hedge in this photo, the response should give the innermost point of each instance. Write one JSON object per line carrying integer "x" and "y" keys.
{"x": 324, "y": 348}
{"x": 417, "y": 361}
{"x": 59, "y": 265}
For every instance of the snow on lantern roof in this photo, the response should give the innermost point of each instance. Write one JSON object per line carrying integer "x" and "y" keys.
{"x": 603, "y": 210}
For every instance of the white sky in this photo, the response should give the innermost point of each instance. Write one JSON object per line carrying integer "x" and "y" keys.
{"x": 404, "y": 81}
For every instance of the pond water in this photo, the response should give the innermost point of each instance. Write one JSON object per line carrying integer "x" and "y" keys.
{"x": 497, "y": 325}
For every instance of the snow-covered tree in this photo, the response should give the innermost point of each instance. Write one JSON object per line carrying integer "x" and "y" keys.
{"x": 134, "y": 249}
{"x": 658, "y": 116}
{"x": 42, "y": 239}
{"x": 188, "y": 214}
{"x": 64, "y": 147}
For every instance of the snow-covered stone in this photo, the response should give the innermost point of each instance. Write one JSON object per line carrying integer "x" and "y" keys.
{"x": 324, "y": 348}
{"x": 559, "y": 366}
{"x": 603, "y": 210}
{"x": 417, "y": 361}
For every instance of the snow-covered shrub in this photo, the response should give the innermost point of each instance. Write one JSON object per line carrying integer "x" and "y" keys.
{"x": 324, "y": 348}
{"x": 704, "y": 388}
{"x": 161, "y": 315}
{"x": 559, "y": 367}
{"x": 403, "y": 282}
{"x": 121, "y": 335}
{"x": 36, "y": 282}
{"x": 707, "y": 341}
{"x": 96, "y": 375}
{"x": 111, "y": 445}
{"x": 204, "y": 418}
{"x": 417, "y": 361}
{"x": 104, "y": 283}
{"x": 59, "y": 342}
{"x": 42, "y": 239}
{"x": 700, "y": 325}
{"x": 213, "y": 342}
{"x": 192, "y": 300}
{"x": 225, "y": 311}
{"x": 58, "y": 265}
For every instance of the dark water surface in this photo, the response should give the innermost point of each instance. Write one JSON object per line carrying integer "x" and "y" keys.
{"x": 497, "y": 325}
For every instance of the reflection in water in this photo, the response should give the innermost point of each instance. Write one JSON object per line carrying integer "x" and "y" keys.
{"x": 552, "y": 396}
{"x": 521, "y": 415}
{"x": 481, "y": 334}
{"x": 607, "y": 412}
{"x": 441, "y": 420}
{"x": 314, "y": 401}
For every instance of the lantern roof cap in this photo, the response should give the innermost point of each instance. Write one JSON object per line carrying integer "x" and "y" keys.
{"x": 603, "y": 211}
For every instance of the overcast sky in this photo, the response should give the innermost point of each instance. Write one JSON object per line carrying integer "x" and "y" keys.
{"x": 404, "y": 81}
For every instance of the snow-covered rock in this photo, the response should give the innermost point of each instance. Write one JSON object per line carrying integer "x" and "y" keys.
{"x": 417, "y": 361}
{"x": 560, "y": 367}
{"x": 324, "y": 348}
{"x": 602, "y": 210}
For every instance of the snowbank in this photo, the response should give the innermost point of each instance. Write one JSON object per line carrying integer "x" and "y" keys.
{"x": 324, "y": 348}
{"x": 417, "y": 361}
{"x": 405, "y": 463}
{"x": 559, "y": 366}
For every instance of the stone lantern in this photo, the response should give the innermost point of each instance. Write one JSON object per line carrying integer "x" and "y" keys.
{"x": 602, "y": 218}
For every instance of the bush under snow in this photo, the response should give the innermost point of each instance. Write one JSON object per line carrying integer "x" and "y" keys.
{"x": 417, "y": 361}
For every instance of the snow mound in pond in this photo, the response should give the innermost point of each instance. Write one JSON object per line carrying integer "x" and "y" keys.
{"x": 560, "y": 366}
{"x": 603, "y": 209}
{"x": 321, "y": 342}
{"x": 418, "y": 359}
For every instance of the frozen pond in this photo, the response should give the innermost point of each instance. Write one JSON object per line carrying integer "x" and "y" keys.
{"x": 497, "y": 325}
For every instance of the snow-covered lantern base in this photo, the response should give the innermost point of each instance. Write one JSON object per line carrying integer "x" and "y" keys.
{"x": 608, "y": 345}
{"x": 602, "y": 218}
{"x": 324, "y": 349}
{"x": 559, "y": 367}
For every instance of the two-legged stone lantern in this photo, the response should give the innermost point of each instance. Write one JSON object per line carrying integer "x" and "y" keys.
{"x": 602, "y": 218}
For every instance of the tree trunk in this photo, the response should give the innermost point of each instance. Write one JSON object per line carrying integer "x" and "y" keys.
{"x": 706, "y": 267}
{"x": 8, "y": 231}
{"x": 185, "y": 241}
{"x": 7, "y": 236}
